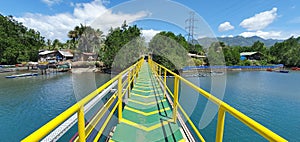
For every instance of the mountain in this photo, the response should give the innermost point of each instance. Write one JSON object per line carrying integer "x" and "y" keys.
{"x": 238, "y": 41}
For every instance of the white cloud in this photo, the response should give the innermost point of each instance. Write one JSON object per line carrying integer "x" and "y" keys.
{"x": 58, "y": 25}
{"x": 260, "y": 20}
{"x": 226, "y": 26}
{"x": 51, "y": 2}
{"x": 226, "y": 36}
{"x": 109, "y": 19}
{"x": 149, "y": 34}
{"x": 262, "y": 34}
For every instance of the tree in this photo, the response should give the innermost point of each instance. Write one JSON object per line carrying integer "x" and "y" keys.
{"x": 75, "y": 34}
{"x": 170, "y": 50}
{"x": 286, "y": 52}
{"x": 215, "y": 54}
{"x": 56, "y": 44}
{"x": 18, "y": 43}
{"x": 116, "y": 39}
{"x": 91, "y": 40}
{"x": 232, "y": 55}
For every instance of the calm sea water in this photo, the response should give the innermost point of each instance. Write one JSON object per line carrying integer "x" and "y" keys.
{"x": 272, "y": 99}
{"x": 28, "y": 103}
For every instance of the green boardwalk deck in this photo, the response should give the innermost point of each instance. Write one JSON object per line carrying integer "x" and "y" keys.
{"x": 147, "y": 117}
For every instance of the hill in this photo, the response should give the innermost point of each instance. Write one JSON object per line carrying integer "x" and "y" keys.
{"x": 239, "y": 41}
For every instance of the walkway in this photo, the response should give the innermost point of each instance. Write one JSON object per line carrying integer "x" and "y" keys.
{"x": 148, "y": 116}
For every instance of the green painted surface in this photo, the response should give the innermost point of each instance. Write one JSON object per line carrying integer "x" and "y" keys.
{"x": 152, "y": 113}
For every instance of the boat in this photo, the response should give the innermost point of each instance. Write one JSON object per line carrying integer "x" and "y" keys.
{"x": 295, "y": 68}
{"x": 278, "y": 71}
{"x": 22, "y": 75}
{"x": 284, "y": 71}
{"x": 269, "y": 69}
{"x": 281, "y": 71}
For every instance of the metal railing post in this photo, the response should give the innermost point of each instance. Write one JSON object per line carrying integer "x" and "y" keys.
{"x": 165, "y": 83}
{"x": 175, "y": 105}
{"x": 159, "y": 71}
{"x": 81, "y": 124}
{"x": 133, "y": 76}
{"x": 220, "y": 125}
{"x": 137, "y": 72}
{"x": 129, "y": 83}
{"x": 156, "y": 69}
{"x": 120, "y": 98}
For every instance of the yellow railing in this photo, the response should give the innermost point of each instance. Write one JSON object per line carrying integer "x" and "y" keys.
{"x": 223, "y": 107}
{"x": 83, "y": 130}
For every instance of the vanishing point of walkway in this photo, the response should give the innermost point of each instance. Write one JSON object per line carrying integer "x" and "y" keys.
{"x": 147, "y": 115}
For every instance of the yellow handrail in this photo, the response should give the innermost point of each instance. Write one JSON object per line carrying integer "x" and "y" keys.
{"x": 78, "y": 107}
{"x": 224, "y": 107}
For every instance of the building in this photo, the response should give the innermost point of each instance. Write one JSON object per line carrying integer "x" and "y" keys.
{"x": 196, "y": 56}
{"x": 46, "y": 55}
{"x": 250, "y": 56}
{"x": 64, "y": 55}
{"x": 55, "y": 56}
{"x": 86, "y": 56}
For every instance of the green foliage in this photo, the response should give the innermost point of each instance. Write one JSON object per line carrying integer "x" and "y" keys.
{"x": 245, "y": 63}
{"x": 117, "y": 39}
{"x": 197, "y": 62}
{"x": 90, "y": 40}
{"x": 75, "y": 34}
{"x": 215, "y": 54}
{"x": 18, "y": 43}
{"x": 286, "y": 52}
{"x": 170, "y": 50}
{"x": 232, "y": 56}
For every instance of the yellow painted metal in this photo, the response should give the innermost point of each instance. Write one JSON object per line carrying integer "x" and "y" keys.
{"x": 192, "y": 124}
{"x": 51, "y": 125}
{"x": 129, "y": 83}
{"x": 159, "y": 71}
{"x": 146, "y": 113}
{"x": 220, "y": 125}
{"x": 147, "y": 129}
{"x": 165, "y": 83}
{"x": 105, "y": 123}
{"x": 120, "y": 99}
{"x": 99, "y": 115}
{"x": 47, "y": 128}
{"x": 186, "y": 116}
{"x": 263, "y": 131}
{"x": 81, "y": 124}
{"x": 176, "y": 89}
{"x": 133, "y": 75}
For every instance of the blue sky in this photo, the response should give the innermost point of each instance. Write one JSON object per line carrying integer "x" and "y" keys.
{"x": 278, "y": 19}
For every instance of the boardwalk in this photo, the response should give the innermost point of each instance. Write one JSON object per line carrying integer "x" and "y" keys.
{"x": 148, "y": 115}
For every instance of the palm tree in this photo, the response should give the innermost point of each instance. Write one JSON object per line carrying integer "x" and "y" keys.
{"x": 76, "y": 34}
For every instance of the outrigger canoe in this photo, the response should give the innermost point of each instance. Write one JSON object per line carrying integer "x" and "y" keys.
{"x": 22, "y": 75}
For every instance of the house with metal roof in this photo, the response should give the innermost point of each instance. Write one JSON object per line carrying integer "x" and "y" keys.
{"x": 63, "y": 55}
{"x": 250, "y": 56}
{"x": 55, "y": 56}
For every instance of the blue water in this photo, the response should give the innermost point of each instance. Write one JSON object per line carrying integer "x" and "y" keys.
{"x": 28, "y": 103}
{"x": 272, "y": 99}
